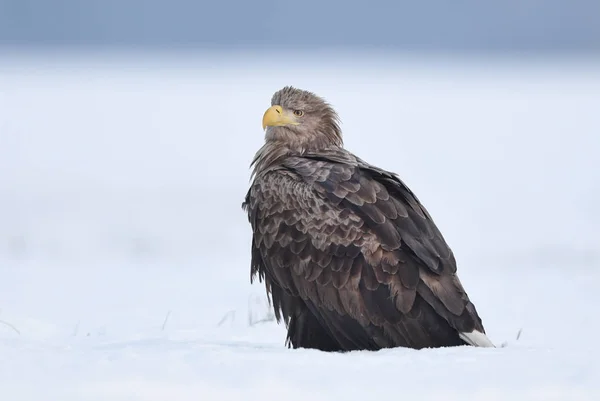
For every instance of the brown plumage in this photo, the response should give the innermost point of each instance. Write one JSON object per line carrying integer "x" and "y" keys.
{"x": 350, "y": 258}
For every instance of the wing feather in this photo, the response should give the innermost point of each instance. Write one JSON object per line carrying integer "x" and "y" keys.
{"x": 353, "y": 245}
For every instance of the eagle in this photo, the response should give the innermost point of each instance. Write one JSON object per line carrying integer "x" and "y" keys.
{"x": 350, "y": 258}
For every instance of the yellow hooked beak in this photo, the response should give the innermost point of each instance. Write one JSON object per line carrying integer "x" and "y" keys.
{"x": 275, "y": 116}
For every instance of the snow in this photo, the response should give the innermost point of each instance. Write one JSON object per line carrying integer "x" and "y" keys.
{"x": 124, "y": 252}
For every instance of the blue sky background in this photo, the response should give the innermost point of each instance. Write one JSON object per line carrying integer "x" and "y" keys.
{"x": 406, "y": 26}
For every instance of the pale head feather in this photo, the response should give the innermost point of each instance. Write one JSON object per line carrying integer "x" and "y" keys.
{"x": 318, "y": 128}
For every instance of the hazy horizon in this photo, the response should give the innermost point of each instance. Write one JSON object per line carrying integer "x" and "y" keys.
{"x": 432, "y": 26}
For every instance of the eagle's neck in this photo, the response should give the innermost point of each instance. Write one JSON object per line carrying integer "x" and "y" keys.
{"x": 273, "y": 153}
{"x": 269, "y": 156}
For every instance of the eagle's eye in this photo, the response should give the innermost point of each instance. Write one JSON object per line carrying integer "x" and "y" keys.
{"x": 298, "y": 113}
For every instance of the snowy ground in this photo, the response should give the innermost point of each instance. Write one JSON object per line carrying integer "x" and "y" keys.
{"x": 124, "y": 263}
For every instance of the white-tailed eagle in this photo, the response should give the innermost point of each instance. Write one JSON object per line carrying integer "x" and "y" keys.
{"x": 350, "y": 258}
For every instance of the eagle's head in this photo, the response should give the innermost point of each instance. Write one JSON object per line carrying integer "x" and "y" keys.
{"x": 299, "y": 119}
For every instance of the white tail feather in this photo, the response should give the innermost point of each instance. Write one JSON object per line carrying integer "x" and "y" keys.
{"x": 476, "y": 339}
